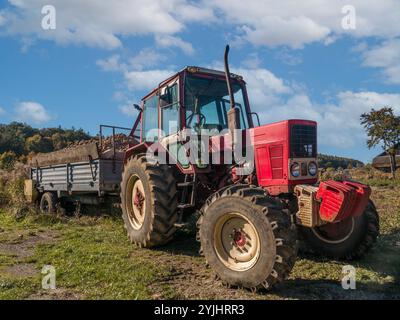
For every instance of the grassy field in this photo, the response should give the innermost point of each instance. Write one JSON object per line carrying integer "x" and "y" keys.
{"x": 94, "y": 260}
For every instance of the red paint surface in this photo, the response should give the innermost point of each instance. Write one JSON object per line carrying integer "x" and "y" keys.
{"x": 271, "y": 152}
{"x": 340, "y": 200}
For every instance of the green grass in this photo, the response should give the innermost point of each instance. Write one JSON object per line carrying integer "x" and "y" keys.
{"x": 14, "y": 289}
{"x": 380, "y": 182}
{"x": 91, "y": 256}
{"x": 94, "y": 260}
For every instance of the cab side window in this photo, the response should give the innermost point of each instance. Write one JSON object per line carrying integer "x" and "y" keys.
{"x": 169, "y": 103}
{"x": 150, "y": 120}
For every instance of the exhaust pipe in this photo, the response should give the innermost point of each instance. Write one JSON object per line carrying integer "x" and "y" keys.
{"x": 228, "y": 77}
{"x": 233, "y": 113}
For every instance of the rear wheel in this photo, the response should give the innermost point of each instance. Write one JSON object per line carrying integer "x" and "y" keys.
{"x": 347, "y": 239}
{"x": 48, "y": 203}
{"x": 247, "y": 238}
{"x": 148, "y": 202}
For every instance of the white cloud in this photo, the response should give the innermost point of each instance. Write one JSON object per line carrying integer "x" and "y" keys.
{"x": 298, "y": 23}
{"x": 146, "y": 80}
{"x": 128, "y": 110}
{"x": 31, "y": 112}
{"x": 119, "y": 96}
{"x": 146, "y": 58}
{"x": 387, "y": 57}
{"x": 338, "y": 122}
{"x": 252, "y": 61}
{"x": 137, "y": 79}
{"x": 261, "y": 22}
{"x": 171, "y": 41}
{"x": 111, "y": 63}
{"x": 338, "y": 117}
{"x": 102, "y": 23}
{"x": 190, "y": 12}
{"x": 263, "y": 86}
{"x": 2, "y": 111}
{"x": 292, "y": 31}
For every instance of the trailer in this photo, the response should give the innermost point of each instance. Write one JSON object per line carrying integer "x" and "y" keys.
{"x": 85, "y": 174}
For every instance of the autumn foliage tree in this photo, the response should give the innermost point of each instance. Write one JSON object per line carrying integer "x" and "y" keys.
{"x": 383, "y": 128}
{"x": 7, "y": 160}
{"x": 18, "y": 140}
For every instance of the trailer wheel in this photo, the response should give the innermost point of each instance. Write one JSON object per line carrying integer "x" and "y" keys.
{"x": 48, "y": 203}
{"x": 247, "y": 237}
{"x": 149, "y": 202}
{"x": 349, "y": 239}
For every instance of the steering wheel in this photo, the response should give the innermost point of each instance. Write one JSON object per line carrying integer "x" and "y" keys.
{"x": 189, "y": 118}
{"x": 199, "y": 125}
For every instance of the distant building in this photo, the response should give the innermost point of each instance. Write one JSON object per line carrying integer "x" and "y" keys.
{"x": 382, "y": 161}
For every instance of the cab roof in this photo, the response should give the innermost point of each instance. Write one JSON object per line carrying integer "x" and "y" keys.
{"x": 194, "y": 70}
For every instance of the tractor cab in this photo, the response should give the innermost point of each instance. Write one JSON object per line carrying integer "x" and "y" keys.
{"x": 194, "y": 98}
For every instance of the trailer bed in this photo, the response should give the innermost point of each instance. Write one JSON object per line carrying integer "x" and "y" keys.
{"x": 102, "y": 176}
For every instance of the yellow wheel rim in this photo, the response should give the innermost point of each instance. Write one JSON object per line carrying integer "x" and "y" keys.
{"x": 135, "y": 202}
{"x": 236, "y": 242}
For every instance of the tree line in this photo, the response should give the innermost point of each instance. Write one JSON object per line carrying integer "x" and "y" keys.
{"x": 19, "y": 140}
{"x": 328, "y": 161}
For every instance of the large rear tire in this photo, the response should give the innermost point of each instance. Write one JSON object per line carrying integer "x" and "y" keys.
{"x": 247, "y": 237}
{"x": 148, "y": 202}
{"x": 349, "y": 239}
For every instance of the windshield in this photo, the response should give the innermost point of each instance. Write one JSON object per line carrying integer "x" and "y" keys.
{"x": 207, "y": 103}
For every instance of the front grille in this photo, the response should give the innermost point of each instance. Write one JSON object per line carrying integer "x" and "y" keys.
{"x": 303, "y": 141}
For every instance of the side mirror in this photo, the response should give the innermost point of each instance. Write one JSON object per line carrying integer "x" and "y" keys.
{"x": 137, "y": 107}
{"x": 257, "y": 117}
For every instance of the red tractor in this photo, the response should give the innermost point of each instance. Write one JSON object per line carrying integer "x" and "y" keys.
{"x": 250, "y": 221}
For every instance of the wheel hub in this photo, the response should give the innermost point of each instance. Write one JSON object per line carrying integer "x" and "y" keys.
{"x": 239, "y": 238}
{"x": 138, "y": 200}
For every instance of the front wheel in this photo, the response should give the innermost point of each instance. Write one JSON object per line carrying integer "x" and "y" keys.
{"x": 349, "y": 239}
{"x": 247, "y": 238}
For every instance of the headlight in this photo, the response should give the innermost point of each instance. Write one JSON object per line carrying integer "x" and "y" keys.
{"x": 312, "y": 168}
{"x": 295, "y": 170}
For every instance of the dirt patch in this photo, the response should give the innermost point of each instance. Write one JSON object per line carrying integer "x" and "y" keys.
{"x": 56, "y": 294}
{"x": 21, "y": 270}
{"x": 187, "y": 276}
{"x": 22, "y": 246}
{"x": 191, "y": 281}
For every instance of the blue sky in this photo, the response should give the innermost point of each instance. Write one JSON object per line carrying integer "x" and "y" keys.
{"x": 298, "y": 59}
